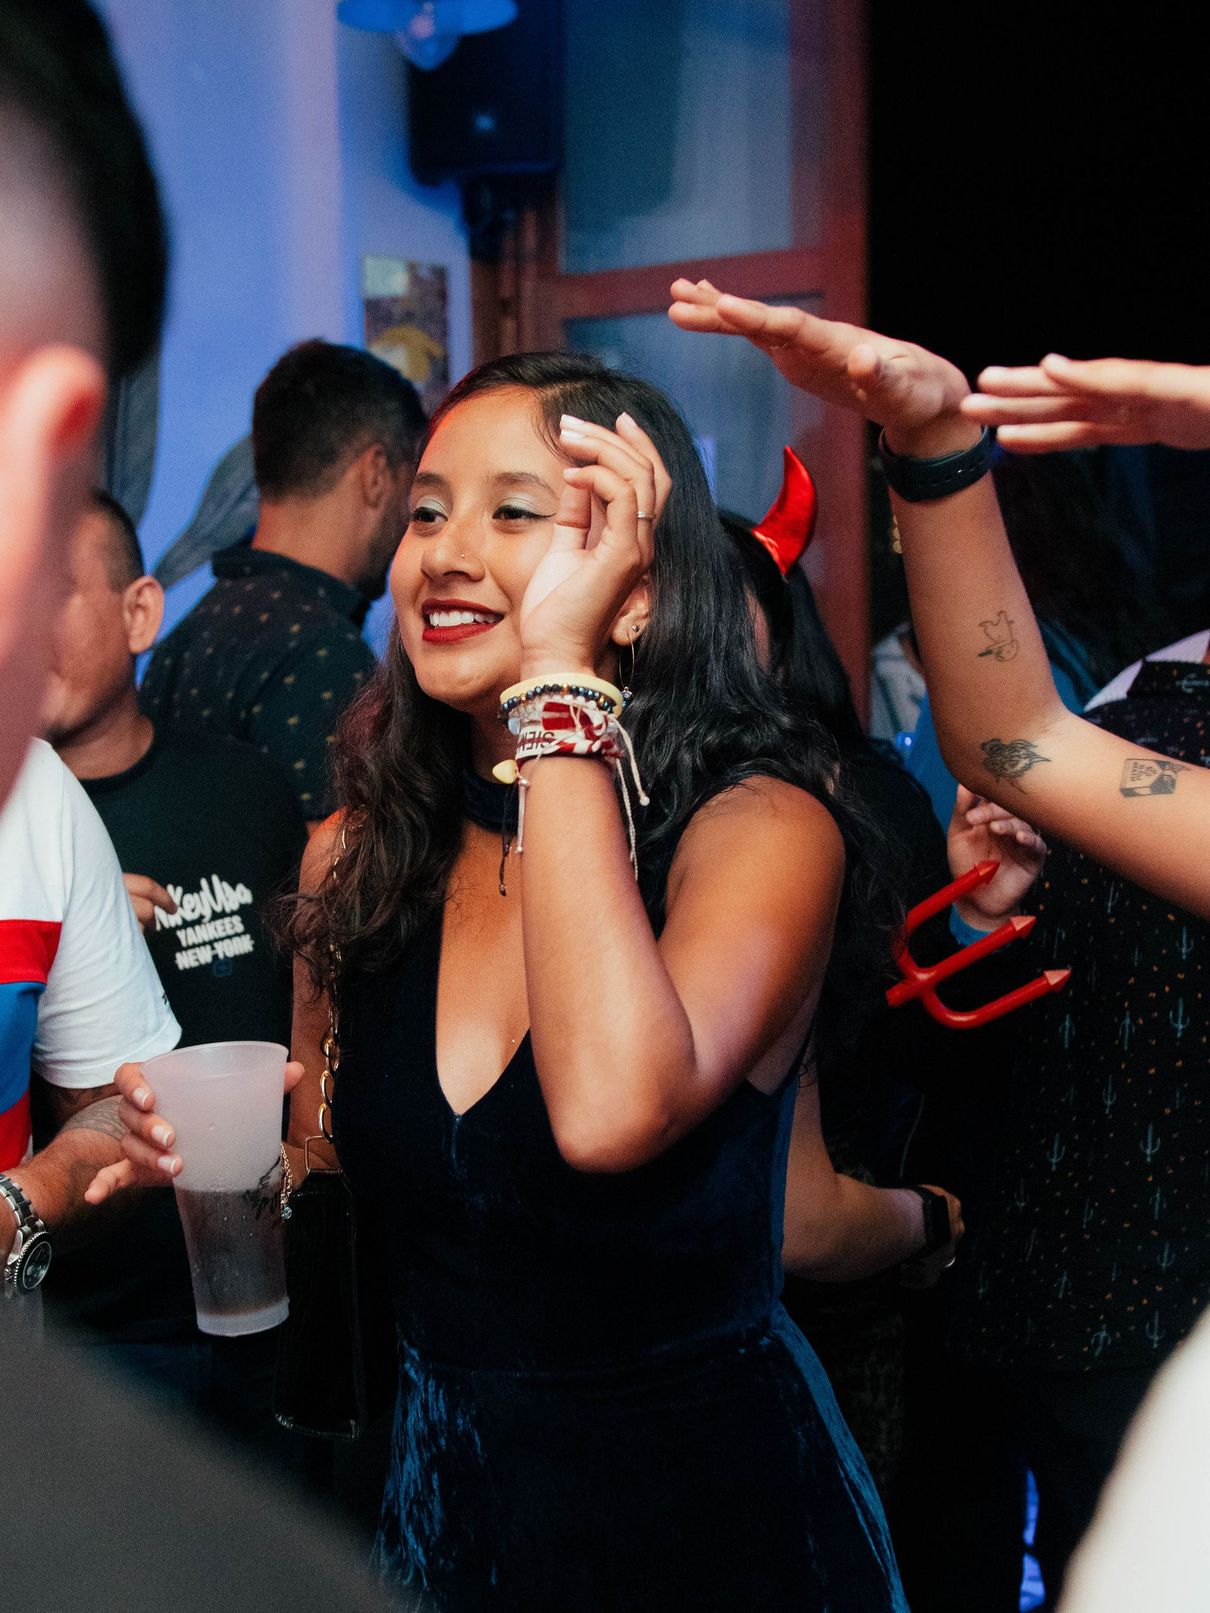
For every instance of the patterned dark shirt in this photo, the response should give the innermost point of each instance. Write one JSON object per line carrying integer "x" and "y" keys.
{"x": 1090, "y": 1234}
{"x": 271, "y": 655}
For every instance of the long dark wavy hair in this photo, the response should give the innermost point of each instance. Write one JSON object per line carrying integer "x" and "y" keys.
{"x": 704, "y": 716}
{"x": 803, "y": 659}
{"x": 804, "y": 663}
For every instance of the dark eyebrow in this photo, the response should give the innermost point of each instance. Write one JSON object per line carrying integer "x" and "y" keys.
{"x": 429, "y": 479}
{"x": 522, "y": 478}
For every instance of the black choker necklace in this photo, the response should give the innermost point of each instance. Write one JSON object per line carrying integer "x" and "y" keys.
{"x": 489, "y": 804}
{"x": 493, "y": 806}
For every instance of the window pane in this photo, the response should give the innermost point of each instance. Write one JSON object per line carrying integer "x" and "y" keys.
{"x": 738, "y": 407}
{"x": 678, "y": 131}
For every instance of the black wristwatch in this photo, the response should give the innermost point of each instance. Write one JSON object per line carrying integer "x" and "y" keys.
{"x": 29, "y": 1258}
{"x": 936, "y": 1221}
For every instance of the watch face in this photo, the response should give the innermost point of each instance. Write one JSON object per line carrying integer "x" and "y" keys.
{"x": 33, "y": 1263}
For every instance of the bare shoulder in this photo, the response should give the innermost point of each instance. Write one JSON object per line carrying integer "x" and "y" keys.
{"x": 321, "y": 852}
{"x": 758, "y": 827}
{"x": 767, "y": 806}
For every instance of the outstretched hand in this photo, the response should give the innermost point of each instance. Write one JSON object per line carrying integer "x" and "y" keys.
{"x": 980, "y": 831}
{"x": 148, "y": 1143}
{"x": 1063, "y": 403}
{"x": 905, "y": 388}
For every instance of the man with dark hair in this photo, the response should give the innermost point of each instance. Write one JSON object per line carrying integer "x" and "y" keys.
{"x": 273, "y": 653}
{"x": 71, "y": 137}
{"x": 206, "y": 828}
{"x": 82, "y": 262}
{"x": 318, "y": 406}
{"x": 82, "y": 270}
{"x": 121, "y": 552}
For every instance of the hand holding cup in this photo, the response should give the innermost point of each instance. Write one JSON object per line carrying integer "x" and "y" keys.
{"x": 150, "y": 1139}
{"x": 226, "y": 1103}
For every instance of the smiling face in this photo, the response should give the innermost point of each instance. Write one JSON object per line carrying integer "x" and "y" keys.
{"x": 483, "y": 507}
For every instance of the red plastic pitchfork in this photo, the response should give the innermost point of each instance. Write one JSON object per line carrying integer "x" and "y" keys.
{"x": 921, "y": 980}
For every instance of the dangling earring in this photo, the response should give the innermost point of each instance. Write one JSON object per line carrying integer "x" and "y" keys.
{"x": 627, "y": 691}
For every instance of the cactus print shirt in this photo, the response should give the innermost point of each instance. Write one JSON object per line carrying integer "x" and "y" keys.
{"x": 271, "y": 655}
{"x": 1090, "y": 1234}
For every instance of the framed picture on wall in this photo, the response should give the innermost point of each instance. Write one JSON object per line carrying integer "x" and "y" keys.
{"x": 405, "y": 320}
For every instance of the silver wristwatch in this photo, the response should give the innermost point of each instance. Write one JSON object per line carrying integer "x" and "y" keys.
{"x": 29, "y": 1258}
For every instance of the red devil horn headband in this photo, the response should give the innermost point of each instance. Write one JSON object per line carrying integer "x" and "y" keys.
{"x": 790, "y": 524}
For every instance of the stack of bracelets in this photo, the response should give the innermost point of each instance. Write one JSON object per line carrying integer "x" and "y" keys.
{"x": 553, "y": 716}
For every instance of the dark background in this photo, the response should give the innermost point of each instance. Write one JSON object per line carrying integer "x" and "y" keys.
{"x": 1038, "y": 182}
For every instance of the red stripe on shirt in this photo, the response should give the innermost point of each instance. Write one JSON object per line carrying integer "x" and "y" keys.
{"x": 27, "y": 949}
{"x": 14, "y": 1134}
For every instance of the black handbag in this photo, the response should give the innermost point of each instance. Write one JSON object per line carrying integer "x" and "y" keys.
{"x": 321, "y": 1381}
{"x": 320, "y": 1386}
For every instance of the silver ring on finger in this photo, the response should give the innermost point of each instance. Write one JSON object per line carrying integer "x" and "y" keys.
{"x": 643, "y": 515}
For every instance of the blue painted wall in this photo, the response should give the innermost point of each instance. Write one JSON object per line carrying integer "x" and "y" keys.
{"x": 281, "y": 144}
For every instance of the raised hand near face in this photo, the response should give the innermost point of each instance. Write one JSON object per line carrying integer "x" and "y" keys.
{"x": 601, "y": 550}
{"x": 1063, "y": 403}
{"x": 909, "y": 391}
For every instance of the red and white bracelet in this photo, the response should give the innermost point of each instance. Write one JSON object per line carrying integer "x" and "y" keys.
{"x": 567, "y": 723}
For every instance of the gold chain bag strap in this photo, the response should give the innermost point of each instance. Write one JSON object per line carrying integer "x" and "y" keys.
{"x": 330, "y": 1048}
{"x": 321, "y": 1380}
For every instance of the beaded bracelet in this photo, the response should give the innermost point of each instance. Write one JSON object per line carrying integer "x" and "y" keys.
{"x": 568, "y": 724}
{"x": 579, "y": 685}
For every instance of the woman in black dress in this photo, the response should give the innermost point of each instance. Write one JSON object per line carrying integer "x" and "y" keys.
{"x": 564, "y": 1095}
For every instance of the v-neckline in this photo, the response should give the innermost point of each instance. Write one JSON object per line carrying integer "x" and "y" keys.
{"x": 435, "y": 965}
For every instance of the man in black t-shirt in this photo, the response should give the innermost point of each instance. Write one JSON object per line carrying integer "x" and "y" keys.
{"x": 208, "y": 832}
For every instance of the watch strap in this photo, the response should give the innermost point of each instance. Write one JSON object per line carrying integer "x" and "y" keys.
{"x": 936, "y": 1220}
{"x": 919, "y": 480}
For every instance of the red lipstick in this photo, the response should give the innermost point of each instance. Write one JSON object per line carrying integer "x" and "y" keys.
{"x": 447, "y": 632}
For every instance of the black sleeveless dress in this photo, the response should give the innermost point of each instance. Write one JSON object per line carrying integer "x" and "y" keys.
{"x": 602, "y": 1406}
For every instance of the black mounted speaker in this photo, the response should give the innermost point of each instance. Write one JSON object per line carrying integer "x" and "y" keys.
{"x": 496, "y": 106}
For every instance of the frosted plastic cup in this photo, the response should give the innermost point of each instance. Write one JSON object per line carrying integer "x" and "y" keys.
{"x": 224, "y": 1101}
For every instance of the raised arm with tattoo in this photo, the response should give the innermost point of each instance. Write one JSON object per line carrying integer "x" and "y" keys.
{"x": 1001, "y": 724}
